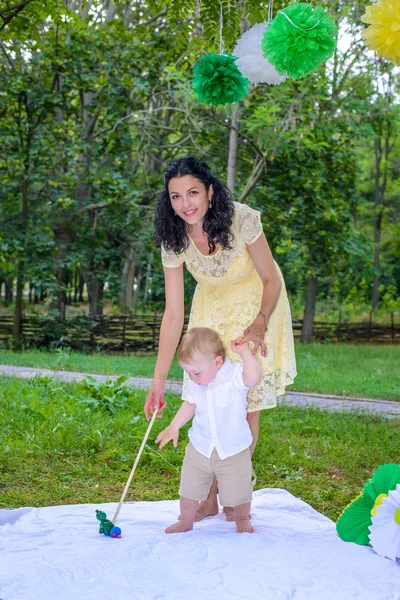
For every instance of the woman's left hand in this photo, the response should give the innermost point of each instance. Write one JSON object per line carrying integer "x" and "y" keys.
{"x": 255, "y": 333}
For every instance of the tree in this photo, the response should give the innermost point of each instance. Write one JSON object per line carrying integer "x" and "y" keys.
{"x": 97, "y": 99}
{"x": 24, "y": 19}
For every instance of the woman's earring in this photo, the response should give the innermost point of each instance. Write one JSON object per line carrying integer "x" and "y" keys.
{"x": 210, "y": 203}
{"x": 175, "y": 214}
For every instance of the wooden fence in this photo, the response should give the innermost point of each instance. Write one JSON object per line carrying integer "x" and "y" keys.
{"x": 122, "y": 333}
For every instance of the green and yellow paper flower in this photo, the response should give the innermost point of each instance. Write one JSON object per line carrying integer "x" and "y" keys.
{"x": 354, "y": 522}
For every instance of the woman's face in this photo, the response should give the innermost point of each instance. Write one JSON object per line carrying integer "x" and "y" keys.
{"x": 189, "y": 198}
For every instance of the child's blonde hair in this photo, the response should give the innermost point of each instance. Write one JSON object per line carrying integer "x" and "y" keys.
{"x": 200, "y": 340}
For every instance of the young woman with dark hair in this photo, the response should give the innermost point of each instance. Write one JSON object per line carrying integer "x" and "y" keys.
{"x": 240, "y": 290}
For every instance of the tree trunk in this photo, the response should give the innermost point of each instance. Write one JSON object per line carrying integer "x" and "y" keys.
{"x": 81, "y": 286}
{"x": 378, "y": 195}
{"x": 68, "y": 283}
{"x": 95, "y": 292}
{"x": 60, "y": 300}
{"x": 382, "y": 149}
{"x": 127, "y": 14}
{"x": 63, "y": 238}
{"x": 257, "y": 171}
{"x": 147, "y": 281}
{"x": 137, "y": 290}
{"x": 8, "y": 290}
{"x": 128, "y": 273}
{"x": 62, "y": 233}
{"x": 17, "y": 324}
{"x": 233, "y": 135}
{"x": 75, "y": 280}
{"x": 309, "y": 311}
{"x": 233, "y": 143}
{"x": 377, "y": 253}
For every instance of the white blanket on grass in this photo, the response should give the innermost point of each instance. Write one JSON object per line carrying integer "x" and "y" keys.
{"x": 56, "y": 553}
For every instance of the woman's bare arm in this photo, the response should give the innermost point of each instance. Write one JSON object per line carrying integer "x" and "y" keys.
{"x": 170, "y": 333}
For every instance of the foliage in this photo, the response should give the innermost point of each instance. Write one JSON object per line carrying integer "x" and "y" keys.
{"x": 94, "y": 107}
{"x": 321, "y": 174}
{"x": 186, "y": 20}
{"x": 110, "y": 395}
{"x": 23, "y": 20}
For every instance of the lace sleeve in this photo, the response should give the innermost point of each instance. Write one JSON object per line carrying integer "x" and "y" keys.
{"x": 249, "y": 224}
{"x": 170, "y": 259}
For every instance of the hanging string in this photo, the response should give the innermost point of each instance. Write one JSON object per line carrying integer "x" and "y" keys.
{"x": 280, "y": 12}
{"x": 221, "y": 23}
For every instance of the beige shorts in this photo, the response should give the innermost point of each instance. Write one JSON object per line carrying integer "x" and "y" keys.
{"x": 233, "y": 475}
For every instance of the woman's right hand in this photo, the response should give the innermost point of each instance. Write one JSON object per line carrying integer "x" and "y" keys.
{"x": 155, "y": 399}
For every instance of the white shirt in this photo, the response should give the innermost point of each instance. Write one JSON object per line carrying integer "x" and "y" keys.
{"x": 220, "y": 418}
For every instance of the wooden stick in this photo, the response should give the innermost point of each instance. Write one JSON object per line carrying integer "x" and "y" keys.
{"x": 146, "y": 435}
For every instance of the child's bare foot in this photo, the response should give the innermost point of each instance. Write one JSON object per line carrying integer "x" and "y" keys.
{"x": 243, "y": 525}
{"x": 229, "y": 514}
{"x": 179, "y": 527}
{"x": 206, "y": 509}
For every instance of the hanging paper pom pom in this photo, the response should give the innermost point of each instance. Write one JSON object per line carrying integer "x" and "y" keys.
{"x": 250, "y": 60}
{"x": 299, "y": 39}
{"x": 383, "y": 33}
{"x": 217, "y": 80}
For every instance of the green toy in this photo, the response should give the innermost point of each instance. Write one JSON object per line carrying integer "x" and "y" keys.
{"x": 106, "y": 526}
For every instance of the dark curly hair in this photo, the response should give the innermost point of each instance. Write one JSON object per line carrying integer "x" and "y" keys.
{"x": 170, "y": 231}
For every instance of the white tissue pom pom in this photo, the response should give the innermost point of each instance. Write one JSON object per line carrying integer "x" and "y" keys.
{"x": 258, "y": 70}
{"x": 250, "y": 41}
{"x": 250, "y": 60}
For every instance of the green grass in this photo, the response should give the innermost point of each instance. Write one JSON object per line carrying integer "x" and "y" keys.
{"x": 366, "y": 371}
{"x": 56, "y": 448}
{"x": 131, "y": 365}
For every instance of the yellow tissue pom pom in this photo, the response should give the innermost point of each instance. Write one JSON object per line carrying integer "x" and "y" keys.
{"x": 383, "y": 33}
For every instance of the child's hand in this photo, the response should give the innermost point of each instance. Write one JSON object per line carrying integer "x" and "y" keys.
{"x": 168, "y": 434}
{"x": 238, "y": 347}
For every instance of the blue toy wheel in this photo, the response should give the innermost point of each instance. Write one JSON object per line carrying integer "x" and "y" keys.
{"x": 115, "y": 532}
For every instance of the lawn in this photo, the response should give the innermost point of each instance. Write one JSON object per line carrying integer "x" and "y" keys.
{"x": 366, "y": 371}
{"x": 63, "y": 443}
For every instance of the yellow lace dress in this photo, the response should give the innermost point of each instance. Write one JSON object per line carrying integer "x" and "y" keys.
{"x": 227, "y": 299}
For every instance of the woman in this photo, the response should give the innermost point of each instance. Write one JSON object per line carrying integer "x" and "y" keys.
{"x": 240, "y": 288}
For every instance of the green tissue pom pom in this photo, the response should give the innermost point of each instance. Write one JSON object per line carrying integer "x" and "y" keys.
{"x": 299, "y": 42}
{"x": 217, "y": 80}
